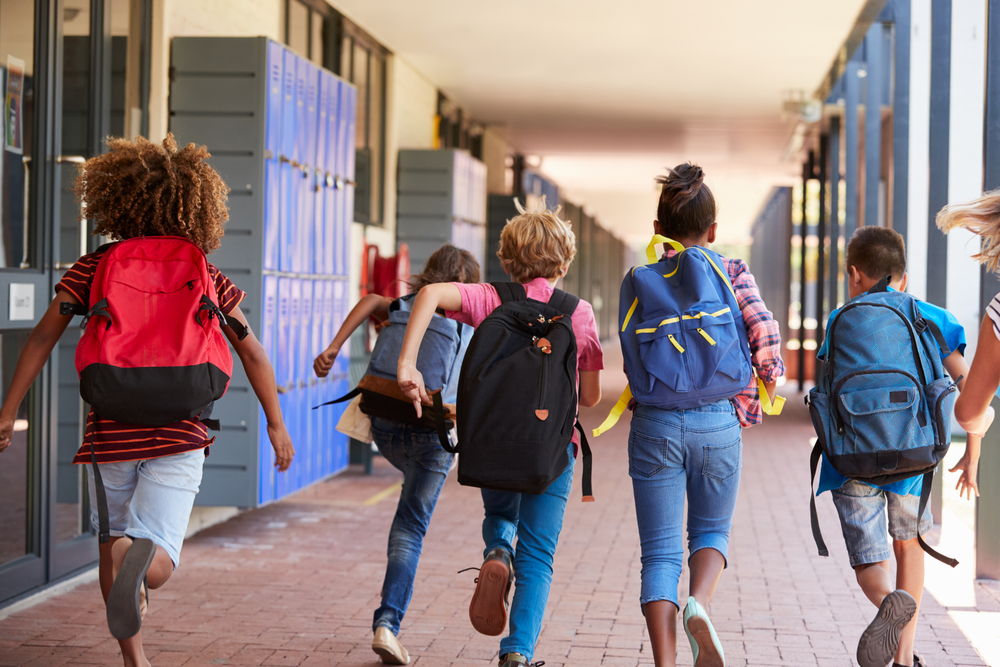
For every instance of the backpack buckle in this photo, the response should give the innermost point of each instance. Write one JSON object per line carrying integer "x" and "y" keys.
{"x": 920, "y": 325}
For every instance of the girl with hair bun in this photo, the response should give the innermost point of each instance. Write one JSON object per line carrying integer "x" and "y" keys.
{"x": 696, "y": 452}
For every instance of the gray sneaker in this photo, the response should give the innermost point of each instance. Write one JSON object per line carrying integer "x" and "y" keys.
{"x": 880, "y": 639}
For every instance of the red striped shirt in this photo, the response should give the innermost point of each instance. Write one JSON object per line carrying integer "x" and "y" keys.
{"x": 116, "y": 441}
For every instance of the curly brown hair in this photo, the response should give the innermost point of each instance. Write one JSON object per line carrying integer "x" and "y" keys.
{"x": 139, "y": 188}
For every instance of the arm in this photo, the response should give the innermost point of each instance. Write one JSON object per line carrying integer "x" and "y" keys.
{"x": 261, "y": 376}
{"x": 971, "y": 408}
{"x": 371, "y": 304}
{"x": 762, "y": 331}
{"x": 429, "y": 299}
{"x": 36, "y": 351}
{"x": 590, "y": 388}
{"x": 955, "y": 364}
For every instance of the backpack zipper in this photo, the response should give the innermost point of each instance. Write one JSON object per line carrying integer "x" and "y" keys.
{"x": 704, "y": 335}
{"x": 542, "y": 377}
{"x": 673, "y": 340}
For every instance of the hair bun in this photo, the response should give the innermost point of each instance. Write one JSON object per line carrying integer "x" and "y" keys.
{"x": 682, "y": 183}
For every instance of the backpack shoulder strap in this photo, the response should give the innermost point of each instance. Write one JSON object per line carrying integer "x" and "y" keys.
{"x": 564, "y": 302}
{"x": 509, "y": 292}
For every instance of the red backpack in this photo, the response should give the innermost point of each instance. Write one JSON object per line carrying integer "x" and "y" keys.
{"x": 151, "y": 353}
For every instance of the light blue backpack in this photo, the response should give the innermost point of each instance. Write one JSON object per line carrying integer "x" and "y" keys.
{"x": 882, "y": 406}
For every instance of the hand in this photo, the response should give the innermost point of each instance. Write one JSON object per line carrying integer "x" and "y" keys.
{"x": 324, "y": 362}
{"x": 6, "y": 429}
{"x": 967, "y": 481}
{"x": 284, "y": 451}
{"x": 411, "y": 382}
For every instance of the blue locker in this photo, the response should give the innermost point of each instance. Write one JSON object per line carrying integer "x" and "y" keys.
{"x": 319, "y": 203}
{"x": 268, "y": 339}
{"x": 316, "y": 421}
{"x": 343, "y": 215}
{"x": 299, "y": 149}
{"x": 291, "y": 355}
{"x": 331, "y": 197}
{"x": 286, "y": 148}
{"x": 329, "y": 419}
{"x": 272, "y": 214}
{"x": 283, "y": 369}
{"x": 304, "y": 364}
{"x": 275, "y": 82}
{"x": 351, "y": 135}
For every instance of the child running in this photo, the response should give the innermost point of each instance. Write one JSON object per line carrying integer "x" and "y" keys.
{"x": 150, "y": 474}
{"x": 870, "y": 515}
{"x": 414, "y": 450}
{"x": 536, "y": 249}
{"x": 698, "y": 451}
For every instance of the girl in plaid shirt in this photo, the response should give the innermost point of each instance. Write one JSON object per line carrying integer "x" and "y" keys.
{"x": 696, "y": 452}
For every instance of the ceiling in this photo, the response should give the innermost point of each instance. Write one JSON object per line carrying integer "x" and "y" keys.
{"x": 602, "y": 91}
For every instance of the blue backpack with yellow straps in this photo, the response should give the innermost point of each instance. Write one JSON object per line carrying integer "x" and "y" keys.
{"x": 682, "y": 331}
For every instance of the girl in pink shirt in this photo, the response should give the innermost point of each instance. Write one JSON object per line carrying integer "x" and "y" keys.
{"x": 536, "y": 249}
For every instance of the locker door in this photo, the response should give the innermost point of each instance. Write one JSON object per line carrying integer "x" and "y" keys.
{"x": 340, "y": 305}
{"x": 330, "y": 383}
{"x": 317, "y": 344}
{"x": 272, "y": 200}
{"x": 303, "y": 362}
{"x": 349, "y": 109}
{"x": 268, "y": 338}
{"x": 283, "y": 373}
{"x": 292, "y": 352}
{"x": 286, "y": 149}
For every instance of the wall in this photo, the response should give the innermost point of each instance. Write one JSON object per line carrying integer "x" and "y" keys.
{"x": 496, "y": 148}
{"x": 225, "y": 18}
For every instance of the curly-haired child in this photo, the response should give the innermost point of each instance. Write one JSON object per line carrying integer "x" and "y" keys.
{"x": 150, "y": 474}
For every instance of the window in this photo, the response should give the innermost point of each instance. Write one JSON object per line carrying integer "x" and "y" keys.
{"x": 456, "y": 129}
{"x": 312, "y": 27}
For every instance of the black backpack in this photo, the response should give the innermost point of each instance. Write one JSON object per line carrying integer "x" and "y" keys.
{"x": 517, "y": 395}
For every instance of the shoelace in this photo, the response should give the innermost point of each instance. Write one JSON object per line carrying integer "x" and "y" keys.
{"x": 476, "y": 580}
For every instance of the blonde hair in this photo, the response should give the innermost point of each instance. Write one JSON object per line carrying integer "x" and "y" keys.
{"x": 980, "y": 216}
{"x": 536, "y": 243}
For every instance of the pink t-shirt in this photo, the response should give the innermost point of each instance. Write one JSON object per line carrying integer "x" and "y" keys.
{"x": 481, "y": 299}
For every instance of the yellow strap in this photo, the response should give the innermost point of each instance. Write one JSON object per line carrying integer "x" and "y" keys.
{"x": 722, "y": 273}
{"x": 769, "y": 408}
{"x": 616, "y": 412}
{"x": 651, "y": 248}
{"x": 673, "y": 340}
{"x": 704, "y": 335}
{"x": 628, "y": 315}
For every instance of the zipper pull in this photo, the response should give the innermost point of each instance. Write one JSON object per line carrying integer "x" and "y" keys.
{"x": 706, "y": 336}
{"x": 190, "y": 284}
{"x": 673, "y": 340}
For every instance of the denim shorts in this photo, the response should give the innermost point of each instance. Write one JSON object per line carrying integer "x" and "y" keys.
{"x": 869, "y": 516}
{"x": 150, "y": 498}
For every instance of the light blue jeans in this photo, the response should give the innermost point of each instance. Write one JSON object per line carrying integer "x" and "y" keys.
{"x": 697, "y": 452}
{"x": 536, "y": 522}
{"x": 150, "y": 498}
{"x": 869, "y": 516}
{"x": 417, "y": 453}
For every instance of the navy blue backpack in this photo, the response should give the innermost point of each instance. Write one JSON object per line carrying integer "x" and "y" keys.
{"x": 882, "y": 406}
{"x": 682, "y": 333}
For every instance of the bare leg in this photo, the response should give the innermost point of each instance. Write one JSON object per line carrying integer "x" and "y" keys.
{"x": 909, "y": 577}
{"x": 706, "y": 570}
{"x": 661, "y": 622}
{"x": 875, "y": 580}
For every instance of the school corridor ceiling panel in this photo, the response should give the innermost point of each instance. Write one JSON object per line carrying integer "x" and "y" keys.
{"x": 648, "y": 78}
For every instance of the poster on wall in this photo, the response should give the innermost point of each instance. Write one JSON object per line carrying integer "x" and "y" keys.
{"x": 12, "y": 122}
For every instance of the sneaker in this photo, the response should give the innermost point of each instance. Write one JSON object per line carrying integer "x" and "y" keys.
{"x": 518, "y": 660}
{"x": 880, "y": 639}
{"x": 488, "y": 609}
{"x": 389, "y": 648}
{"x": 124, "y": 609}
{"x": 705, "y": 646}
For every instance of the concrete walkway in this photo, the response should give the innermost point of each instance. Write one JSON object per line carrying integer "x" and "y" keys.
{"x": 296, "y": 583}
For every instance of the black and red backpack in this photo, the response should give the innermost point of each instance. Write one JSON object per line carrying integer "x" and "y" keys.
{"x": 153, "y": 351}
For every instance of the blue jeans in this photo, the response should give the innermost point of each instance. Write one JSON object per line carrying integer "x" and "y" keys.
{"x": 417, "y": 453}
{"x": 673, "y": 452}
{"x": 536, "y": 522}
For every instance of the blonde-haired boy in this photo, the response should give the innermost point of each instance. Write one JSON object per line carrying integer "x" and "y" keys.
{"x": 536, "y": 249}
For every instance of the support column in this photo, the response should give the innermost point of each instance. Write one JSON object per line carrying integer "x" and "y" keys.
{"x": 900, "y": 115}
{"x": 834, "y": 173}
{"x": 824, "y": 142}
{"x": 919, "y": 148}
{"x": 988, "y": 503}
{"x": 803, "y": 233}
{"x": 852, "y": 97}
{"x": 940, "y": 112}
{"x": 873, "y": 123}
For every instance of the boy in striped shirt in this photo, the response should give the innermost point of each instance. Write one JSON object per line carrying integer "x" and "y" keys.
{"x": 150, "y": 474}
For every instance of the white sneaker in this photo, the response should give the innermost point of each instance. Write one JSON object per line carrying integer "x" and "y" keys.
{"x": 389, "y": 648}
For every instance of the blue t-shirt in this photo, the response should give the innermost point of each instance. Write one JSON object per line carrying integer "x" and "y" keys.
{"x": 954, "y": 336}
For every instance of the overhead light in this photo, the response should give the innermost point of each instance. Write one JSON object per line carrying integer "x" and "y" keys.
{"x": 862, "y": 73}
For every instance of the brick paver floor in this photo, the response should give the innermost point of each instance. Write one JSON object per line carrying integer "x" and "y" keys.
{"x": 296, "y": 583}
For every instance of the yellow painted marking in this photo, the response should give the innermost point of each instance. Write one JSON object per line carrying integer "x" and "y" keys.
{"x": 383, "y": 494}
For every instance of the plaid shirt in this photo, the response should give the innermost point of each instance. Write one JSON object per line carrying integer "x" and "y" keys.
{"x": 765, "y": 339}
